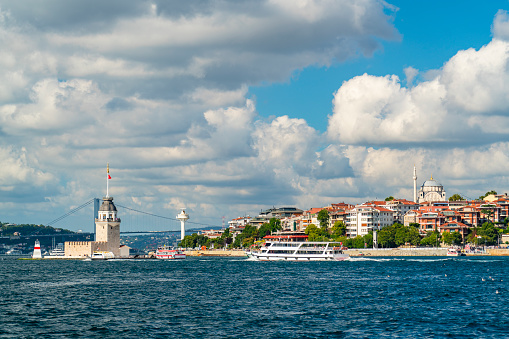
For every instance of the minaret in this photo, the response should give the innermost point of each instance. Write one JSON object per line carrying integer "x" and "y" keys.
{"x": 183, "y": 217}
{"x": 415, "y": 184}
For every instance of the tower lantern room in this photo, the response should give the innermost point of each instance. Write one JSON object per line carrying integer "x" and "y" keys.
{"x": 108, "y": 210}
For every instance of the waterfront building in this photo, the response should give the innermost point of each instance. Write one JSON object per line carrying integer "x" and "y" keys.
{"x": 367, "y": 217}
{"x": 459, "y": 227}
{"x": 239, "y": 223}
{"x": 470, "y": 215}
{"x": 278, "y": 213}
{"x": 311, "y": 216}
{"x": 211, "y": 234}
{"x": 400, "y": 208}
{"x": 430, "y": 221}
{"x": 292, "y": 223}
{"x": 338, "y": 212}
{"x": 411, "y": 217}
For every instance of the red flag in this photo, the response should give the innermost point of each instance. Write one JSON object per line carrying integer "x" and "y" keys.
{"x": 109, "y": 176}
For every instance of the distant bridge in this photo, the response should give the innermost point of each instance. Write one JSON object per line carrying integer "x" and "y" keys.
{"x": 149, "y": 232}
{"x": 134, "y": 219}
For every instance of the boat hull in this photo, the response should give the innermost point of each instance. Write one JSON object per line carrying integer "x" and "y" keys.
{"x": 299, "y": 258}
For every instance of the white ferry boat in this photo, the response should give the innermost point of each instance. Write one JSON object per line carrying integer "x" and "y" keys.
{"x": 298, "y": 251}
{"x": 102, "y": 255}
{"x": 164, "y": 252}
{"x": 58, "y": 251}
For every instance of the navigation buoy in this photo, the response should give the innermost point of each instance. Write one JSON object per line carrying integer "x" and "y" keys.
{"x": 37, "y": 250}
{"x": 496, "y": 291}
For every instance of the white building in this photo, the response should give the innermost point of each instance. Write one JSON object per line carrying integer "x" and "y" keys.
{"x": 239, "y": 222}
{"x": 365, "y": 218}
{"x": 401, "y": 207}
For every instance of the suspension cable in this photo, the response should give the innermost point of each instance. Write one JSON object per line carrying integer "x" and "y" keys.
{"x": 70, "y": 212}
{"x": 163, "y": 217}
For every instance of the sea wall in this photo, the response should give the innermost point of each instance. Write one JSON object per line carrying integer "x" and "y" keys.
{"x": 216, "y": 253}
{"x": 398, "y": 252}
{"x": 498, "y": 251}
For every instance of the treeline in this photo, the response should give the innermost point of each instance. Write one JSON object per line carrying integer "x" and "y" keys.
{"x": 30, "y": 229}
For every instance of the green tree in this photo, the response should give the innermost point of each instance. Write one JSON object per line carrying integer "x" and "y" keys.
{"x": 432, "y": 238}
{"x": 456, "y": 197}
{"x": 390, "y": 198}
{"x": 453, "y": 238}
{"x": 315, "y": 234}
{"x": 487, "y": 193}
{"x": 268, "y": 228}
{"x": 386, "y": 237}
{"x": 323, "y": 218}
{"x": 407, "y": 235}
{"x": 339, "y": 229}
{"x": 246, "y": 238}
{"x": 358, "y": 242}
{"x": 311, "y": 228}
{"x": 488, "y": 232}
{"x": 342, "y": 239}
{"x": 368, "y": 239}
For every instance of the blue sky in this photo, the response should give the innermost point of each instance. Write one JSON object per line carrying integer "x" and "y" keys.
{"x": 227, "y": 107}
{"x": 431, "y": 33}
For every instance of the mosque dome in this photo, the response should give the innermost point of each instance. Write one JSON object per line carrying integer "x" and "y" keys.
{"x": 431, "y": 183}
{"x": 431, "y": 191}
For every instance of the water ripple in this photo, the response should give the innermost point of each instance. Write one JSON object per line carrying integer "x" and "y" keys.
{"x": 232, "y": 298}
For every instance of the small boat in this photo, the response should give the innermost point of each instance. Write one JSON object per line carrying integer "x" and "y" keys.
{"x": 454, "y": 252}
{"x": 165, "y": 252}
{"x": 298, "y": 251}
{"x": 102, "y": 255}
{"x": 14, "y": 251}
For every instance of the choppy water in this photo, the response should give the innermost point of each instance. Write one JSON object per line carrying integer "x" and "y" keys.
{"x": 234, "y": 298}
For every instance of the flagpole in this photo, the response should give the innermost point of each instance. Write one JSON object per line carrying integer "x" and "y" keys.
{"x": 107, "y": 181}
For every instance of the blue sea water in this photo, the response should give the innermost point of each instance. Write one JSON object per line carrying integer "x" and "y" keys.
{"x": 432, "y": 297}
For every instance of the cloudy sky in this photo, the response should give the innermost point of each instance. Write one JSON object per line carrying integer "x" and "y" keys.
{"x": 229, "y": 107}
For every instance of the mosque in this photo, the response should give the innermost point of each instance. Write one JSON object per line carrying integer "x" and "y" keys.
{"x": 431, "y": 191}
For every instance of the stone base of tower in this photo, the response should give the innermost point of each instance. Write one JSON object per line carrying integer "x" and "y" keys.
{"x": 84, "y": 249}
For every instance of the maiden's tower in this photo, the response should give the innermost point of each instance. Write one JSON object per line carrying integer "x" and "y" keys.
{"x": 107, "y": 231}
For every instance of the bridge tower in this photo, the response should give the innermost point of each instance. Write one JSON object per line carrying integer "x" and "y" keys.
{"x": 183, "y": 217}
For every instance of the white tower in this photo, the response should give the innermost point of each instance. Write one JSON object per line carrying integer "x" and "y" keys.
{"x": 183, "y": 217}
{"x": 37, "y": 250}
{"x": 415, "y": 184}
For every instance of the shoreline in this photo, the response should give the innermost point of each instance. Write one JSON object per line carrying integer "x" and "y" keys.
{"x": 365, "y": 252}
